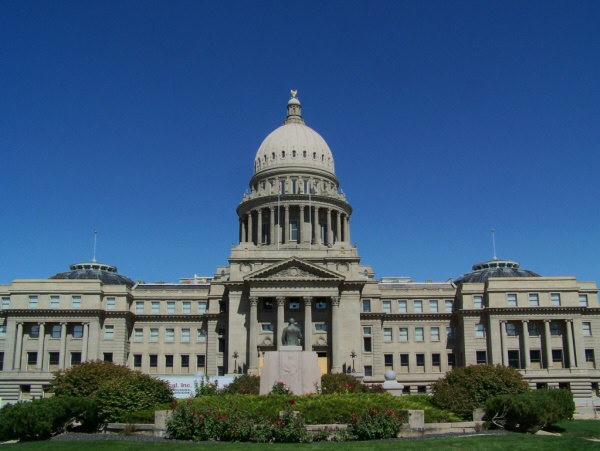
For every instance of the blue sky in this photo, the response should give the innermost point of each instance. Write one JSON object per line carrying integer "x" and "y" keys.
{"x": 140, "y": 119}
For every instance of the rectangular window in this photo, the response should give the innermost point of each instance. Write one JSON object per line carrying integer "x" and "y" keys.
{"x": 366, "y": 305}
{"x": 368, "y": 370}
{"x": 514, "y": 359}
{"x": 185, "y": 335}
{"x": 404, "y": 361}
{"x": 221, "y": 345}
{"x": 55, "y": 331}
{"x": 186, "y": 307}
{"x": 534, "y": 300}
{"x": 555, "y": 299}
{"x": 435, "y": 334}
{"x": 402, "y": 306}
{"x": 294, "y": 306}
{"x": 201, "y": 335}
{"x": 533, "y": 329}
{"x": 169, "y": 335}
{"x": 293, "y": 230}
{"x": 201, "y": 307}
{"x": 448, "y": 306}
{"x": 589, "y": 358}
{"x": 75, "y": 358}
{"x": 170, "y": 307}
{"x": 320, "y": 305}
{"x": 433, "y": 306}
{"x": 153, "y": 335}
{"x": 31, "y": 359}
{"x": 53, "y": 358}
{"x": 54, "y": 301}
{"x": 185, "y": 361}
{"x": 451, "y": 360}
{"x": 479, "y": 330}
{"x": 108, "y": 356}
{"x": 137, "y": 360}
{"x": 388, "y": 361}
{"x": 76, "y": 301}
{"x": 34, "y": 331}
{"x": 583, "y": 300}
{"x": 387, "y": 334}
{"x": 319, "y": 327}
{"x": 109, "y": 332}
{"x": 269, "y": 327}
{"x": 153, "y": 361}
{"x": 78, "y": 331}
{"x": 478, "y": 301}
{"x": 138, "y": 335}
{"x": 419, "y": 334}
{"x": 5, "y": 303}
{"x": 511, "y": 329}
{"x": 557, "y": 356}
{"x": 481, "y": 357}
{"x": 2, "y": 332}
{"x": 366, "y": 330}
{"x": 386, "y": 306}
{"x": 200, "y": 360}
{"x": 403, "y": 331}
{"x": 554, "y": 329}
{"x": 449, "y": 333}
{"x": 1, "y": 361}
{"x": 139, "y": 307}
{"x": 169, "y": 361}
{"x": 33, "y": 301}
{"x": 111, "y": 303}
{"x": 367, "y": 344}
{"x": 587, "y": 329}
{"x": 511, "y": 299}
{"x": 418, "y": 306}
{"x": 535, "y": 357}
{"x": 155, "y": 307}
{"x": 421, "y": 360}
{"x": 435, "y": 360}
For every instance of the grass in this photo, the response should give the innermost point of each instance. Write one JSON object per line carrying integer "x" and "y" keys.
{"x": 577, "y": 429}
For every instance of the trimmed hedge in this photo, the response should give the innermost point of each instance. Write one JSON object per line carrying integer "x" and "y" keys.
{"x": 531, "y": 411}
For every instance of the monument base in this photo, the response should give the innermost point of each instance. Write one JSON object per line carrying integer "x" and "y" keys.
{"x": 297, "y": 369}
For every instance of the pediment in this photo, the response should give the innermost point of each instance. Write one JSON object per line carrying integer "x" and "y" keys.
{"x": 294, "y": 269}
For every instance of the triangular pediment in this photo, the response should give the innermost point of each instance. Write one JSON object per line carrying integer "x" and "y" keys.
{"x": 294, "y": 269}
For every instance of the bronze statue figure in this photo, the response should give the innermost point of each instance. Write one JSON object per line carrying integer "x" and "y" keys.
{"x": 291, "y": 335}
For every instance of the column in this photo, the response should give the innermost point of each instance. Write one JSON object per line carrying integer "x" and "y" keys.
{"x": 578, "y": 343}
{"x": 259, "y": 228}
{"x": 329, "y": 231}
{"x": 63, "y": 345}
{"x": 570, "y": 350}
{"x": 40, "y": 350}
{"x": 339, "y": 226}
{"x": 307, "y": 323}
{"x": 243, "y": 225}
{"x": 547, "y": 343}
{"x": 347, "y": 229}
{"x": 84, "y": 346}
{"x": 336, "y": 361}
{"x": 280, "y": 320}
{"x": 318, "y": 238}
{"x": 272, "y": 225}
{"x": 253, "y": 339}
{"x": 302, "y": 225}
{"x": 503, "y": 341}
{"x": 286, "y": 224}
{"x": 525, "y": 336}
{"x": 18, "y": 348}
{"x": 250, "y": 231}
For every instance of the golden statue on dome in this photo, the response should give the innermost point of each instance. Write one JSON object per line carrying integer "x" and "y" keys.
{"x": 294, "y": 93}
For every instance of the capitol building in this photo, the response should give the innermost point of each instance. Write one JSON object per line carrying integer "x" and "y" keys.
{"x": 294, "y": 258}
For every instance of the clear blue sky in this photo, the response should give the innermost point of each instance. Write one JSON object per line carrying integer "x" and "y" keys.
{"x": 140, "y": 119}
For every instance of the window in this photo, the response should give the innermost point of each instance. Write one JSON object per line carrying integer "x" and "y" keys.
{"x": 368, "y": 370}
{"x": 478, "y": 301}
{"x": 139, "y": 307}
{"x": 451, "y": 360}
{"x": 221, "y": 345}
{"x": 541, "y": 386}
{"x": 75, "y": 358}
{"x": 366, "y": 331}
{"x": 31, "y": 360}
{"x": 366, "y": 305}
{"x": 109, "y": 332}
{"x": 321, "y": 327}
{"x": 449, "y": 333}
{"x": 419, "y": 334}
{"x": 448, "y": 306}
{"x": 435, "y": 334}
{"x": 170, "y": 307}
{"x": 1, "y": 361}
{"x": 108, "y": 356}
{"x": 418, "y": 306}
{"x": 185, "y": 361}
{"x": 169, "y": 361}
{"x": 421, "y": 360}
{"x": 53, "y": 359}
{"x": 589, "y": 358}
{"x": 282, "y": 187}
{"x": 201, "y": 307}
{"x": 2, "y": 332}
{"x": 479, "y": 330}
{"x": 320, "y": 305}
{"x": 5, "y": 303}
{"x": 587, "y": 329}
{"x": 433, "y": 306}
{"x": 153, "y": 361}
{"x": 555, "y": 299}
{"x": 268, "y": 327}
{"x": 137, "y": 360}
{"x": 110, "y": 303}
{"x": 33, "y": 301}
{"x": 386, "y": 306}
{"x": 138, "y": 335}
{"x": 535, "y": 357}
{"x": 153, "y": 335}
{"x": 388, "y": 361}
{"x": 55, "y": 331}
{"x": 533, "y": 329}
{"x": 406, "y": 390}
{"x": 76, "y": 301}
{"x": 201, "y": 336}
{"x": 564, "y": 386}
{"x": 267, "y": 304}
{"x": 169, "y": 335}
{"x": 367, "y": 344}
{"x": 294, "y": 306}
{"x": 185, "y": 335}
{"x": 402, "y": 306}
{"x": 583, "y": 300}
{"x": 34, "y": 331}
{"x": 200, "y": 360}
{"x": 511, "y": 329}
{"x": 387, "y": 334}
{"x": 435, "y": 360}
{"x": 54, "y": 301}
{"x": 155, "y": 307}
{"x": 554, "y": 328}
{"x": 557, "y": 356}
{"x": 511, "y": 299}
{"x": 293, "y": 230}
{"x": 481, "y": 357}
{"x": 403, "y": 331}
{"x": 513, "y": 358}
{"x": 78, "y": 331}
{"x": 404, "y": 362}
{"x": 186, "y": 307}
{"x": 534, "y": 300}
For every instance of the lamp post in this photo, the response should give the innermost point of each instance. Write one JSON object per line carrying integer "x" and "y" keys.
{"x": 235, "y": 356}
{"x": 353, "y": 355}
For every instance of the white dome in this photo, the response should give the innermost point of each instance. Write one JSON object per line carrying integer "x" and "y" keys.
{"x": 294, "y": 145}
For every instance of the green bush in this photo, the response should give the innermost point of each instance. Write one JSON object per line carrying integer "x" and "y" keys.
{"x": 145, "y": 416}
{"x": 86, "y": 378}
{"x": 41, "y": 418}
{"x": 244, "y": 385}
{"x": 376, "y": 424}
{"x": 530, "y": 411}
{"x": 464, "y": 389}
{"x": 345, "y": 383}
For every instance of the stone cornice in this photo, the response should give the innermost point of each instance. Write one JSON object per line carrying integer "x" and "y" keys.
{"x": 528, "y": 311}
{"x": 406, "y": 316}
{"x": 272, "y": 200}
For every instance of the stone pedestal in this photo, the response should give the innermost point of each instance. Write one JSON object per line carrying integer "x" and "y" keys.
{"x": 297, "y": 369}
{"x": 391, "y": 385}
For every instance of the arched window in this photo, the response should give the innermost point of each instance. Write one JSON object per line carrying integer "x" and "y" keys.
{"x": 314, "y": 155}
{"x": 293, "y": 153}
{"x": 283, "y": 154}
{"x": 304, "y": 153}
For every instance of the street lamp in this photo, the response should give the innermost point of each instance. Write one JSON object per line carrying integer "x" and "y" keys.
{"x": 235, "y": 356}
{"x": 353, "y": 355}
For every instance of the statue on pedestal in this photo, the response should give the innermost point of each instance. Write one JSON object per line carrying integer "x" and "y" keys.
{"x": 291, "y": 335}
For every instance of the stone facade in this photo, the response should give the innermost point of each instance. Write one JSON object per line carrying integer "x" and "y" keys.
{"x": 295, "y": 259}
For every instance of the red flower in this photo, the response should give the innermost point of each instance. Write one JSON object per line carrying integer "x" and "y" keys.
{"x": 291, "y": 402}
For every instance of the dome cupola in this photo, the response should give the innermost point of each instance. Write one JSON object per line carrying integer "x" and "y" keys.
{"x": 107, "y": 274}
{"x": 494, "y": 268}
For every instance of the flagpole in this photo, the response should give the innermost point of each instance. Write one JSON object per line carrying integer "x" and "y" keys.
{"x": 278, "y": 214}
{"x": 310, "y": 214}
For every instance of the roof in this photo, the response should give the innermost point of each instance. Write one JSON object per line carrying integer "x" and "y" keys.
{"x": 107, "y": 274}
{"x": 494, "y": 268}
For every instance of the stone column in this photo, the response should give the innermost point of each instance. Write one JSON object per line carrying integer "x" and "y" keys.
{"x": 503, "y": 341}
{"x": 40, "y": 350}
{"x": 243, "y": 225}
{"x": 318, "y": 238}
{"x": 336, "y": 361}
{"x": 329, "y": 231}
{"x": 18, "y": 347}
{"x": 307, "y": 323}
{"x": 259, "y": 227}
{"x": 339, "y": 226}
{"x": 347, "y": 228}
{"x": 272, "y": 225}
{"x": 286, "y": 224}
{"x": 302, "y": 224}
{"x": 250, "y": 228}
{"x": 525, "y": 337}
{"x": 280, "y": 320}
{"x": 84, "y": 346}
{"x": 578, "y": 343}
{"x": 63, "y": 345}
{"x": 547, "y": 343}
{"x": 253, "y": 339}
{"x": 570, "y": 350}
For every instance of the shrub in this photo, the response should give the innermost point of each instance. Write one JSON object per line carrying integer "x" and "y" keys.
{"x": 376, "y": 424}
{"x": 86, "y": 378}
{"x": 464, "y": 389}
{"x": 279, "y": 388}
{"x": 206, "y": 388}
{"x": 244, "y": 385}
{"x": 145, "y": 416}
{"x": 42, "y": 418}
{"x": 345, "y": 383}
{"x": 530, "y": 411}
